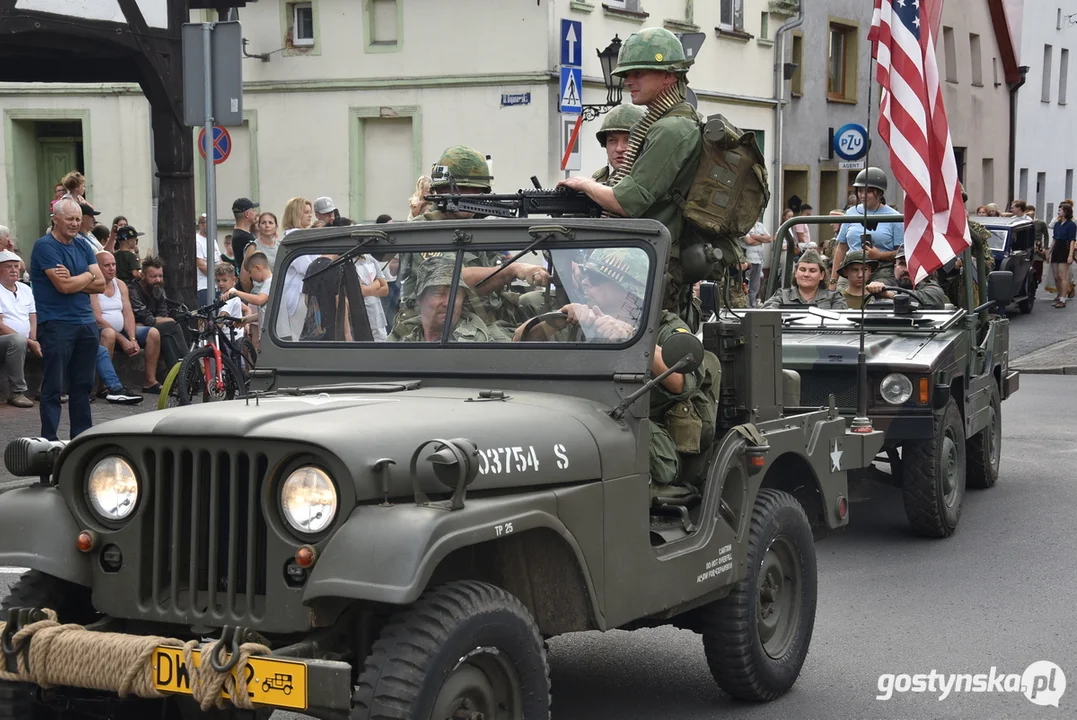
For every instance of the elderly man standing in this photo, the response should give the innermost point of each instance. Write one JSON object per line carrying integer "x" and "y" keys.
{"x": 64, "y": 274}
{"x": 18, "y": 327}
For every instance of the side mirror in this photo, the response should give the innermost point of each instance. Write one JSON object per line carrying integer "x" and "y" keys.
{"x": 1000, "y": 288}
{"x": 680, "y": 346}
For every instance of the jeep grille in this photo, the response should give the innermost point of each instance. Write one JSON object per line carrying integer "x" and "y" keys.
{"x": 816, "y": 387}
{"x": 208, "y": 535}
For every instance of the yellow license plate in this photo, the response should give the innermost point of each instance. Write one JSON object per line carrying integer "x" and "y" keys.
{"x": 280, "y": 683}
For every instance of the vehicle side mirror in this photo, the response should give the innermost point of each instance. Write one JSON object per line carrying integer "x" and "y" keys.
{"x": 683, "y": 345}
{"x": 1000, "y": 288}
{"x": 708, "y": 298}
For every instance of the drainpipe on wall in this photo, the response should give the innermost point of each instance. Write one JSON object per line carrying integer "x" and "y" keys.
{"x": 779, "y": 106}
{"x": 1013, "y": 132}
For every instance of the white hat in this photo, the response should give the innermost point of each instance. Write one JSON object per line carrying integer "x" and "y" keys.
{"x": 324, "y": 205}
{"x": 8, "y": 256}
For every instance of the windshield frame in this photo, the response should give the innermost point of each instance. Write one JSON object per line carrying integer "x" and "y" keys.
{"x": 394, "y": 359}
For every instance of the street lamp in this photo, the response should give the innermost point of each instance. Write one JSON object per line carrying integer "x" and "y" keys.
{"x": 614, "y": 84}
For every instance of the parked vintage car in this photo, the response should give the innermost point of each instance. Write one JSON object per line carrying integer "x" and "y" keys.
{"x": 1013, "y": 243}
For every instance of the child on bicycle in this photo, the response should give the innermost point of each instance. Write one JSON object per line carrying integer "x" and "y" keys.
{"x": 262, "y": 276}
{"x": 225, "y": 276}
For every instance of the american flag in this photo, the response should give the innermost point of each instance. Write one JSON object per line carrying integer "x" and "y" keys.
{"x": 912, "y": 122}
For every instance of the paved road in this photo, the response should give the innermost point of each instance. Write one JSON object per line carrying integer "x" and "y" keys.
{"x": 1000, "y": 593}
{"x": 1042, "y": 327}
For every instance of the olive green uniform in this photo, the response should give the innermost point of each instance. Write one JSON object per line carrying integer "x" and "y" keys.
{"x": 685, "y": 422}
{"x": 825, "y": 299}
{"x": 953, "y": 284}
{"x": 929, "y": 294}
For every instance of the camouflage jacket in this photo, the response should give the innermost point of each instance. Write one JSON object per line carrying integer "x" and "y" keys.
{"x": 469, "y": 329}
{"x": 825, "y": 299}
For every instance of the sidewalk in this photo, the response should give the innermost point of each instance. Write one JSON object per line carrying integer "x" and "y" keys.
{"x": 1057, "y": 359}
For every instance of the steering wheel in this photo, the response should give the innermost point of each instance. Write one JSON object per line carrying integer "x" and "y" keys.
{"x": 556, "y": 320}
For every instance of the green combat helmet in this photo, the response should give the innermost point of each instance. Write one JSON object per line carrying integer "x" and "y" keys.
{"x": 871, "y": 177}
{"x": 461, "y": 166}
{"x": 620, "y": 119}
{"x": 625, "y": 266}
{"x": 854, "y": 257}
{"x": 652, "y": 49}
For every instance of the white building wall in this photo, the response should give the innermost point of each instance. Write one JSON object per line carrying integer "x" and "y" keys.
{"x": 1045, "y": 121}
{"x": 334, "y": 119}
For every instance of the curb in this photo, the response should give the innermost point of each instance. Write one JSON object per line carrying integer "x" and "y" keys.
{"x": 1056, "y": 370}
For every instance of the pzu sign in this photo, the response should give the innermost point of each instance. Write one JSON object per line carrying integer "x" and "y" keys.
{"x": 851, "y": 141}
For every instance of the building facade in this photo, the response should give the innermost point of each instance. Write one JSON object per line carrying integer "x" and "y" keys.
{"x": 1047, "y": 32}
{"x": 830, "y": 85}
{"x": 355, "y": 99}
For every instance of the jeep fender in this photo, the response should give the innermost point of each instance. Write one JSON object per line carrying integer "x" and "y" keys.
{"x": 38, "y": 531}
{"x": 388, "y": 554}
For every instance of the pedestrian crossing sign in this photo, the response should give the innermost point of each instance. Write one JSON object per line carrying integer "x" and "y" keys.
{"x": 571, "y": 90}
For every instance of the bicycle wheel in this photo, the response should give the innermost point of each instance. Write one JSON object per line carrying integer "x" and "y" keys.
{"x": 192, "y": 380}
{"x": 248, "y": 354}
{"x": 169, "y": 396}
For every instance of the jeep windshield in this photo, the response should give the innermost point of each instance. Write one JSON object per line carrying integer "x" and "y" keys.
{"x": 542, "y": 295}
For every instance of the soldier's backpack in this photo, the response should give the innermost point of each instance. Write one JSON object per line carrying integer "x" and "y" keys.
{"x": 729, "y": 191}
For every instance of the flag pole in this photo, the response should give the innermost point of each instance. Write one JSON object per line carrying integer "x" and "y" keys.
{"x": 861, "y": 423}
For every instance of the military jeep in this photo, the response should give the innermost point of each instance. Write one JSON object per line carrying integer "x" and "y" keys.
{"x": 935, "y": 382}
{"x": 401, "y": 524}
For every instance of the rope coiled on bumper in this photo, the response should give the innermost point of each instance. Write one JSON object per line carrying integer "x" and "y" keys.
{"x": 69, "y": 655}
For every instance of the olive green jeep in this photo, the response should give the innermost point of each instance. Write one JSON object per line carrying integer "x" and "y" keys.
{"x": 390, "y": 527}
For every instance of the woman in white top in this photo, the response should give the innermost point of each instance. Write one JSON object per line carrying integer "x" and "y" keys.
{"x": 112, "y": 310}
{"x": 374, "y": 288}
{"x": 267, "y": 241}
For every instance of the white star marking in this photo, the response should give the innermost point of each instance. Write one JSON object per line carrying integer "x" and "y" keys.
{"x": 835, "y": 458}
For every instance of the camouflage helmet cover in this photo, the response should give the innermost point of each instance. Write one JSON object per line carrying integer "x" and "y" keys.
{"x": 435, "y": 271}
{"x": 871, "y": 177}
{"x": 620, "y": 119}
{"x": 652, "y": 49}
{"x": 625, "y": 266}
{"x": 855, "y": 257}
{"x": 461, "y": 166}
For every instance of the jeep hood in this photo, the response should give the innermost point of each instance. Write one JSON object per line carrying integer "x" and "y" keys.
{"x": 836, "y": 348}
{"x": 525, "y": 440}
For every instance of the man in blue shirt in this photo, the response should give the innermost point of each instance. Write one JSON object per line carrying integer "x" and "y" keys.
{"x": 886, "y": 238}
{"x": 64, "y": 272}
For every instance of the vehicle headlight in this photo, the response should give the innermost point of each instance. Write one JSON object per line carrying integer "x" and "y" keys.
{"x": 309, "y": 500}
{"x": 113, "y": 488}
{"x": 896, "y": 389}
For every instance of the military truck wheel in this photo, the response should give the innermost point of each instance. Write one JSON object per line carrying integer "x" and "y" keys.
{"x": 757, "y": 637}
{"x": 984, "y": 449}
{"x": 71, "y": 602}
{"x": 933, "y": 476}
{"x": 465, "y": 649}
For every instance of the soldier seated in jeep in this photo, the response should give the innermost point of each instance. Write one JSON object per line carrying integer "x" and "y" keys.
{"x": 928, "y": 293}
{"x": 809, "y": 274}
{"x": 434, "y": 281}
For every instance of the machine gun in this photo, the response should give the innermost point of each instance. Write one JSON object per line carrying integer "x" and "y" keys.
{"x": 554, "y": 202}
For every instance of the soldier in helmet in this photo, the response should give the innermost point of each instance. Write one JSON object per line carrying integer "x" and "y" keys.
{"x": 613, "y": 136}
{"x": 808, "y": 276}
{"x": 927, "y": 292}
{"x": 684, "y": 407}
{"x": 433, "y": 285}
{"x": 664, "y": 150}
{"x": 856, "y": 269}
{"x": 884, "y": 240}
{"x": 463, "y": 171}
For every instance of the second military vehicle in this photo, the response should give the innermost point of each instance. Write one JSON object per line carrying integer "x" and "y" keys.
{"x": 398, "y": 525}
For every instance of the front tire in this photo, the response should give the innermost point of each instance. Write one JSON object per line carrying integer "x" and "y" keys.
{"x": 464, "y": 646}
{"x": 757, "y": 637}
{"x": 192, "y": 385}
{"x": 933, "y": 476}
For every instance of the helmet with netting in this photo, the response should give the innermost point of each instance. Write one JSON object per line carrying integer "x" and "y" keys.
{"x": 625, "y": 266}
{"x": 461, "y": 166}
{"x": 652, "y": 49}
{"x": 619, "y": 119}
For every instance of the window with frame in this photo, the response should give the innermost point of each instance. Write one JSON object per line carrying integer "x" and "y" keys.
{"x": 383, "y": 23}
{"x": 949, "y": 48}
{"x": 302, "y": 24}
{"x": 626, "y": 5}
{"x": 796, "y": 56}
{"x": 977, "y": 61}
{"x": 731, "y": 15}
{"x": 842, "y": 62}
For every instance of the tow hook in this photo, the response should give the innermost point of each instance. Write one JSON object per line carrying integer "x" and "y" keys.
{"x": 17, "y": 619}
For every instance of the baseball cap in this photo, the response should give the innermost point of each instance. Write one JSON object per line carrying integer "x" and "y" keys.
{"x": 242, "y": 205}
{"x": 127, "y": 232}
{"x": 324, "y": 205}
{"x": 8, "y": 256}
{"x": 87, "y": 210}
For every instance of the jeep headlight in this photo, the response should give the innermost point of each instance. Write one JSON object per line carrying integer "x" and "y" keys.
{"x": 896, "y": 389}
{"x": 309, "y": 500}
{"x": 112, "y": 488}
